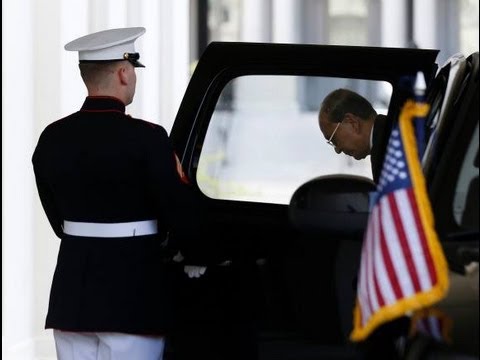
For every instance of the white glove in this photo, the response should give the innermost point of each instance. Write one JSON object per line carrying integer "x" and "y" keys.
{"x": 194, "y": 271}
{"x": 178, "y": 257}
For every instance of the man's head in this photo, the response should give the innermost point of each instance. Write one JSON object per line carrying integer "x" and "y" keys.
{"x": 108, "y": 60}
{"x": 346, "y": 120}
{"x": 117, "y": 79}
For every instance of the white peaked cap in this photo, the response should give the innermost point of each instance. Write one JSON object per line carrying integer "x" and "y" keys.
{"x": 108, "y": 45}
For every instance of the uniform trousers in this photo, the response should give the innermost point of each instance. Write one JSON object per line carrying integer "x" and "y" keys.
{"x": 107, "y": 346}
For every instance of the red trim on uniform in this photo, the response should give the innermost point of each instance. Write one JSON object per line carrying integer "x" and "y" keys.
{"x": 105, "y": 97}
{"x": 183, "y": 177}
{"x": 103, "y": 104}
{"x": 103, "y": 111}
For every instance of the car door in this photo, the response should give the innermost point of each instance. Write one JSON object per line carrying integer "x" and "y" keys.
{"x": 247, "y": 136}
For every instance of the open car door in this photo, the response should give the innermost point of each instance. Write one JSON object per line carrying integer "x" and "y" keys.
{"x": 247, "y": 136}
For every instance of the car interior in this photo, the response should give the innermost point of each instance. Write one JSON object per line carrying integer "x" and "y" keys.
{"x": 447, "y": 94}
{"x": 313, "y": 206}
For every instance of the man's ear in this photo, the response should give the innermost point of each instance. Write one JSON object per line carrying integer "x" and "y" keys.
{"x": 353, "y": 121}
{"x": 122, "y": 75}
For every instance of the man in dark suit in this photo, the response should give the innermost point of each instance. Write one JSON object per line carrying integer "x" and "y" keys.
{"x": 352, "y": 126}
{"x": 112, "y": 189}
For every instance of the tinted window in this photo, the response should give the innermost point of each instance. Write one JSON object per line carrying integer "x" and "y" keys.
{"x": 264, "y": 144}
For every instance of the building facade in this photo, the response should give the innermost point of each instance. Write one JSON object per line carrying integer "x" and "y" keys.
{"x": 41, "y": 83}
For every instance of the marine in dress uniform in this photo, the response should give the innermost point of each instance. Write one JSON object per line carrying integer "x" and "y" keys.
{"x": 369, "y": 140}
{"x": 111, "y": 189}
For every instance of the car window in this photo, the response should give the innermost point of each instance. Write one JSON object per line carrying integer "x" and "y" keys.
{"x": 263, "y": 142}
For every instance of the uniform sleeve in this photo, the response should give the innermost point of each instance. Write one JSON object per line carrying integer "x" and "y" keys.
{"x": 178, "y": 207}
{"x": 45, "y": 193}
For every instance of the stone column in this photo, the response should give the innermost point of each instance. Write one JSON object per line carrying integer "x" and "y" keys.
{"x": 424, "y": 18}
{"x": 393, "y": 24}
{"x": 256, "y": 21}
{"x": 285, "y": 21}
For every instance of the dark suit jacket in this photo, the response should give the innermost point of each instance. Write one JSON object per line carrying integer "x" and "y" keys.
{"x": 378, "y": 146}
{"x": 100, "y": 165}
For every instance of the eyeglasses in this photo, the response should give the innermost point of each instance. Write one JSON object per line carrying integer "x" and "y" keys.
{"x": 330, "y": 141}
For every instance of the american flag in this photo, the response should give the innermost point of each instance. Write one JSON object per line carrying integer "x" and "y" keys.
{"x": 433, "y": 323}
{"x": 402, "y": 267}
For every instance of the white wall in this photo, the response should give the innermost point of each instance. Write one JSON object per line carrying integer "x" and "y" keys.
{"x": 40, "y": 84}
{"x": 18, "y": 255}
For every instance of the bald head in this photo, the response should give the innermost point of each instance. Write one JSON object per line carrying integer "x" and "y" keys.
{"x": 341, "y": 101}
{"x": 346, "y": 119}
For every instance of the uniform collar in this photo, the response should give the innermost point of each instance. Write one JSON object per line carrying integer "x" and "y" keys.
{"x": 103, "y": 103}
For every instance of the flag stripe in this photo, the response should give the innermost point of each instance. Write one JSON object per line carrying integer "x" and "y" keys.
{"x": 362, "y": 293}
{"x": 371, "y": 279}
{"x": 387, "y": 293}
{"x": 434, "y": 327}
{"x": 404, "y": 239}
{"x": 395, "y": 249}
{"x": 423, "y": 240}
{"x": 390, "y": 273}
{"x": 414, "y": 233}
{"x": 378, "y": 293}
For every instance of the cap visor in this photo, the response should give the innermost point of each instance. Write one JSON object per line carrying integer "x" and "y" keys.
{"x": 137, "y": 63}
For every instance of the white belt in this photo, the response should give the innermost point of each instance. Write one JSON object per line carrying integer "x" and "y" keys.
{"x": 110, "y": 230}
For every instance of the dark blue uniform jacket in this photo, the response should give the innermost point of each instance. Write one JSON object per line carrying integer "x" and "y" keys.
{"x": 100, "y": 165}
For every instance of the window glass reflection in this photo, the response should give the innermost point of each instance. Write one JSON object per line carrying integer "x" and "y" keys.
{"x": 264, "y": 144}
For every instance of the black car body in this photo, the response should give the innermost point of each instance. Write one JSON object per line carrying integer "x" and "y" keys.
{"x": 302, "y": 257}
